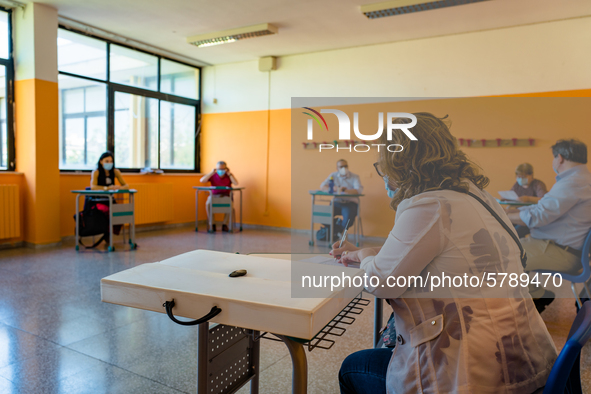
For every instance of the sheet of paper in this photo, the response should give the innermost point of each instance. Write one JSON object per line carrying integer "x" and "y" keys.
{"x": 327, "y": 260}
{"x": 509, "y": 195}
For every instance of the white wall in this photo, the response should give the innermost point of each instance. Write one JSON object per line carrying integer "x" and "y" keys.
{"x": 534, "y": 58}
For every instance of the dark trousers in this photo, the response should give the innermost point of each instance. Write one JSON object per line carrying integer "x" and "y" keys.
{"x": 522, "y": 231}
{"x": 364, "y": 372}
{"x": 349, "y": 212}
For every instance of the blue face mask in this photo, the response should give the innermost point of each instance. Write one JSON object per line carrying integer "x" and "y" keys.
{"x": 391, "y": 193}
{"x": 221, "y": 172}
{"x": 522, "y": 181}
{"x": 108, "y": 166}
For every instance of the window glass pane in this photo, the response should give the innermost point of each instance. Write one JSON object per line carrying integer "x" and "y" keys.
{"x": 3, "y": 123}
{"x": 179, "y": 79}
{"x": 81, "y": 55}
{"x": 177, "y": 136}
{"x": 82, "y": 123}
{"x": 130, "y": 67}
{"x": 136, "y": 131}
{"x": 4, "y": 35}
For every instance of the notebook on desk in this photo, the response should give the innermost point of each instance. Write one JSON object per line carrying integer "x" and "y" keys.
{"x": 509, "y": 195}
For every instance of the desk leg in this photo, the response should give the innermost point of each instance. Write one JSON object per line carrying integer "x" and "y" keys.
{"x": 241, "y": 214}
{"x": 231, "y": 221}
{"x": 202, "y": 361}
{"x": 378, "y": 320}
{"x": 196, "y": 209}
{"x": 210, "y": 216}
{"x": 312, "y": 224}
{"x": 111, "y": 223}
{"x": 256, "y": 358}
{"x": 76, "y": 238}
{"x": 299, "y": 382}
{"x": 132, "y": 227}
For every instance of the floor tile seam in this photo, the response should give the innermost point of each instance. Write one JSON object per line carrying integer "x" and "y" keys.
{"x": 275, "y": 362}
{"x": 106, "y": 331}
{"x": 128, "y": 371}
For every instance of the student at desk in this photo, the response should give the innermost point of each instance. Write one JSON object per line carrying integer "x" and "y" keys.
{"x": 103, "y": 177}
{"x": 345, "y": 182}
{"x": 220, "y": 176}
{"x": 526, "y": 186}
{"x": 528, "y": 189}
{"x": 461, "y": 339}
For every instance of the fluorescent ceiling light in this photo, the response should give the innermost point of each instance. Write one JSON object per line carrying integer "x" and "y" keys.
{"x": 399, "y": 7}
{"x": 232, "y": 35}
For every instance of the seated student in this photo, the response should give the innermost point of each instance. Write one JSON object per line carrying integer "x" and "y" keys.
{"x": 345, "y": 182}
{"x": 526, "y": 186}
{"x": 528, "y": 189}
{"x": 457, "y": 339}
{"x": 220, "y": 176}
{"x": 103, "y": 177}
{"x": 560, "y": 221}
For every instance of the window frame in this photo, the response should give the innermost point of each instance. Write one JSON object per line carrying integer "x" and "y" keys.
{"x": 9, "y": 64}
{"x": 113, "y": 87}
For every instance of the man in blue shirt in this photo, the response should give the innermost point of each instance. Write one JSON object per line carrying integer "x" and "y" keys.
{"x": 345, "y": 182}
{"x": 560, "y": 221}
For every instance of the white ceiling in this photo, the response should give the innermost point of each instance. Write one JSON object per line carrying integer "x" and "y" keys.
{"x": 304, "y": 25}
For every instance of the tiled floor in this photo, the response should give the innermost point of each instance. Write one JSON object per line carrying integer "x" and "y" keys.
{"x": 57, "y": 337}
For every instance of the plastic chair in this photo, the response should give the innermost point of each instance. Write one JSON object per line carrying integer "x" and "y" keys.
{"x": 565, "y": 376}
{"x": 584, "y": 276}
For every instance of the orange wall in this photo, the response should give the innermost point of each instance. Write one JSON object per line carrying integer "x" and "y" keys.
{"x": 546, "y": 119}
{"x": 14, "y": 178}
{"x": 183, "y": 196}
{"x": 240, "y": 139}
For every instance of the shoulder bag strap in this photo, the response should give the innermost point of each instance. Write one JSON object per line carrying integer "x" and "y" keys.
{"x": 505, "y": 226}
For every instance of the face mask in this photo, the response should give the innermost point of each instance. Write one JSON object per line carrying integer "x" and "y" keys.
{"x": 391, "y": 193}
{"x": 555, "y": 170}
{"x": 343, "y": 171}
{"x": 522, "y": 181}
{"x": 108, "y": 166}
{"x": 221, "y": 172}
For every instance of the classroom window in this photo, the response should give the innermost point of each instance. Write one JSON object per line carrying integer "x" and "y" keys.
{"x": 81, "y": 55}
{"x": 83, "y": 122}
{"x": 141, "y": 106}
{"x": 177, "y": 128}
{"x": 7, "y": 160}
{"x": 136, "y": 131}
{"x": 134, "y": 68}
{"x": 179, "y": 79}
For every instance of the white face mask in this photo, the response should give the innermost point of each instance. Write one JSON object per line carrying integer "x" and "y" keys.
{"x": 108, "y": 166}
{"x": 343, "y": 171}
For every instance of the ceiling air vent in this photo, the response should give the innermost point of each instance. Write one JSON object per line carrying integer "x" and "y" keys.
{"x": 399, "y": 7}
{"x": 232, "y": 35}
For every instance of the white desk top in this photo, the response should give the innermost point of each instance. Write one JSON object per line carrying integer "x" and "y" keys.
{"x": 261, "y": 300}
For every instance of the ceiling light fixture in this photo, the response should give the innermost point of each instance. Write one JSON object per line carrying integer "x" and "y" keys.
{"x": 232, "y": 35}
{"x": 399, "y": 7}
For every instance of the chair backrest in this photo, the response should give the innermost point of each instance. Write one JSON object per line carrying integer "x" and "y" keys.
{"x": 565, "y": 375}
{"x": 586, "y": 250}
{"x": 586, "y": 273}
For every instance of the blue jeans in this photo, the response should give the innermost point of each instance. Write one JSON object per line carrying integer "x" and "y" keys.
{"x": 349, "y": 212}
{"x": 364, "y": 372}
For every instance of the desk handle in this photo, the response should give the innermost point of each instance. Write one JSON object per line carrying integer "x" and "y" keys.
{"x": 170, "y": 304}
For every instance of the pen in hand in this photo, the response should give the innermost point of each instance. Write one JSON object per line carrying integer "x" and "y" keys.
{"x": 344, "y": 237}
